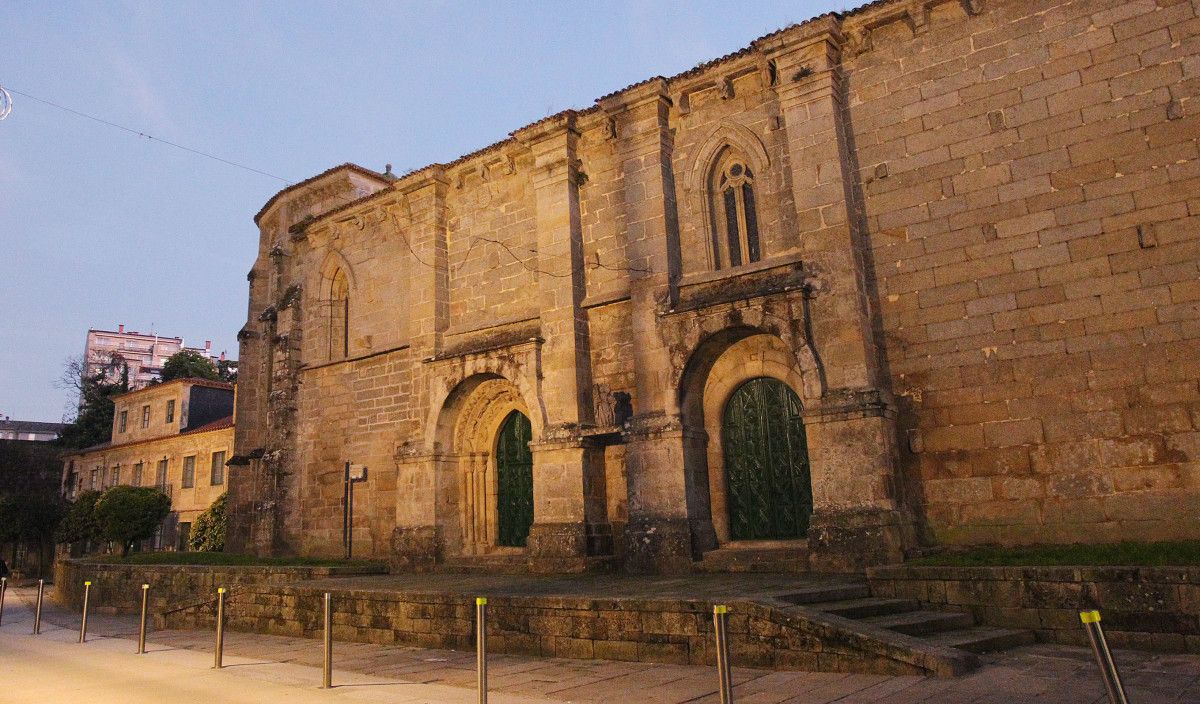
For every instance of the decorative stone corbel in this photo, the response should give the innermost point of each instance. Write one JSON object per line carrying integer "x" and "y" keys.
{"x": 725, "y": 88}
{"x": 858, "y": 41}
{"x": 917, "y": 16}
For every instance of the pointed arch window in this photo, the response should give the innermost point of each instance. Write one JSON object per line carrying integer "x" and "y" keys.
{"x": 734, "y": 215}
{"x": 339, "y": 315}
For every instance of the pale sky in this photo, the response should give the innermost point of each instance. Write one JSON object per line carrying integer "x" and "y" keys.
{"x": 100, "y": 227}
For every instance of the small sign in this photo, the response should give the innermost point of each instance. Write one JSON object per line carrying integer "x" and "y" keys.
{"x": 358, "y": 473}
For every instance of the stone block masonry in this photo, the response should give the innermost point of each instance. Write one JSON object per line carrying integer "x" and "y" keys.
{"x": 960, "y": 240}
{"x": 118, "y": 588}
{"x": 676, "y": 631}
{"x": 1148, "y": 608}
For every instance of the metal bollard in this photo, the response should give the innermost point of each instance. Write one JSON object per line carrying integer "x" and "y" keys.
{"x": 328, "y": 681}
{"x": 3, "y": 589}
{"x": 87, "y": 589}
{"x": 1104, "y": 658}
{"x": 481, "y": 646}
{"x": 724, "y": 675}
{"x": 142, "y": 625}
{"x": 219, "y": 651}
{"x": 37, "y": 613}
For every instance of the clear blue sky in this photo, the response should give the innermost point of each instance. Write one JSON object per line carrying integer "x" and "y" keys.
{"x": 99, "y": 227}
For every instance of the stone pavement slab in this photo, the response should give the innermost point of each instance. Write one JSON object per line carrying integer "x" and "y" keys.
{"x": 1047, "y": 674}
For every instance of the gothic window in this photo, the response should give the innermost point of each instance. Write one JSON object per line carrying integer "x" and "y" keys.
{"x": 734, "y": 217}
{"x": 339, "y": 314}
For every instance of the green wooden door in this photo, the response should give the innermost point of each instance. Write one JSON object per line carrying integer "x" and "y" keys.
{"x": 766, "y": 462}
{"x": 514, "y": 480}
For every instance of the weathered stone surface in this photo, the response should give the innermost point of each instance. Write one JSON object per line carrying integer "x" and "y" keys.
{"x": 1146, "y": 607}
{"x": 975, "y": 266}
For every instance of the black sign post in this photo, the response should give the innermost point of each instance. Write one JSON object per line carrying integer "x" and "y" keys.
{"x": 355, "y": 473}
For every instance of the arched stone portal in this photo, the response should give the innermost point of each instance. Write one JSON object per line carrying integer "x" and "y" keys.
{"x": 722, "y": 365}
{"x": 471, "y": 436}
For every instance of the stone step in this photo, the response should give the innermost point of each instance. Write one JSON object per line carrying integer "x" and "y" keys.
{"x": 828, "y": 593}
{"x": 489, "y": 564}
{"x": 867, "y": 607}
{"x": 919, "y": 623}
{"x": 982, "y": 639}
{"x": 789, "y": 559}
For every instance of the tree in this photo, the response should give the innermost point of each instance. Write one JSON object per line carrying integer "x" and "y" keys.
{"x": 187, "y": 364}
{"x": 208, "y": 532}
{"x": 227, "y": 370}
{"x": 97, "y": 382}
{"x": 127, "y": 514}
{"x": 79, "y": 522}
{"x": 29, "y": 519}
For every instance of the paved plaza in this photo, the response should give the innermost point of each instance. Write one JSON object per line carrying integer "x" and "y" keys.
{"x": 261, "y": 668}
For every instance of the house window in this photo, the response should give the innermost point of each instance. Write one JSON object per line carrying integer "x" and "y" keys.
{"x": 93, "y": 483}
{"x": 171, "y": 411}
{"x": 734, "y": 216}
{"x": 116, "y": 476}
{"x": 218, "y": 468}
{"x": 160, "y": 475}
{"x": 339, "y": 315}
{"x": 137, "y": 474}
{"x": 145, "y": 416}
{"x": 189, "y": 472}
{"x": 121, "y": 421}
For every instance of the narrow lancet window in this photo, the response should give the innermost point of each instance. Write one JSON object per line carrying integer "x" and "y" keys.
{"x": 339, "y": 316}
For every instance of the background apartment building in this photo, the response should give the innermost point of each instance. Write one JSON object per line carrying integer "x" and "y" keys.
{"x": 145, "y": 353}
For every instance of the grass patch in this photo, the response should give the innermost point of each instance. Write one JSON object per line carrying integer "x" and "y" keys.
{"x": 227, "y": 559}
{"x": 1174, "y": 554}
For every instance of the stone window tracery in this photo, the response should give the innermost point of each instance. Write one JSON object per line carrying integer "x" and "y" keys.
{"x": 733, "y": 212}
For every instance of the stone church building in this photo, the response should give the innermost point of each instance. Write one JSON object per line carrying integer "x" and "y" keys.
{"x": 923, "y": 273}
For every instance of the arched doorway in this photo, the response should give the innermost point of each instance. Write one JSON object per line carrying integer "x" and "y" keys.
{"x": 768, "y": 487}
{"x": 514, "y": 481}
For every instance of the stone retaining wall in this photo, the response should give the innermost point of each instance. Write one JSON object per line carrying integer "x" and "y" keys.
{"x": 1150, "y": 608}
{"x": 676, "y": 631}
{"x": 117, "y": 588}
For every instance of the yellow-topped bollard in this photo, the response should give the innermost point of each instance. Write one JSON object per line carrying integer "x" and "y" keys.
{"x": 219, "y": 651}
{"x": 142, "y": 625}
{"x": 724, "y": 673}
{"x": 1104, "y": 658}
{"x": 481, "y": 646}
{"x": 87, "y": 588}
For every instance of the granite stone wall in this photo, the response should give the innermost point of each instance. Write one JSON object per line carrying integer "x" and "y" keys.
{"x": 640, "y": 630}
{"x": 977, "y": 258}
{"x": 118, "y": 588}
{"x": 1149, "y": 608}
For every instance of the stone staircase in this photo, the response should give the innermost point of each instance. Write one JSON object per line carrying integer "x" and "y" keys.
{"x": 953, "y": 629}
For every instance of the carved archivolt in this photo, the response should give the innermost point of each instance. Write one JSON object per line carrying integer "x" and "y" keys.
{"x": 476, "y": 410}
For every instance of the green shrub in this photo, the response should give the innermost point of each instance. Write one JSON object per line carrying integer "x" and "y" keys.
{"x": 127, "y": 514}
{"x": 208, "y": 532}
